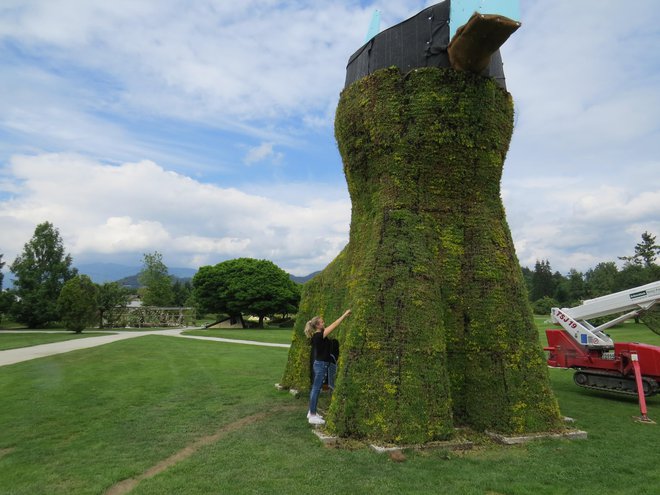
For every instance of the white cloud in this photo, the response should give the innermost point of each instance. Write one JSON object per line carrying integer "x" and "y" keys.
{"x": 581, "y": 179}
{"x": 582, "y": 82}
{"x": 576, "y": 226}
{"x": 252, "y": 60}
{"x": 120, "y": 234}
{"x": 580, "y": 182}
{"x": 613, "y": 204}
{"x": 262, "y": 152}
{"x": 140, "y": 207}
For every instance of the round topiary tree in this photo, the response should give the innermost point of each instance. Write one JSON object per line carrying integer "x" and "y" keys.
{"x": 441, "y": 332}
{"x": 246, "y": 286}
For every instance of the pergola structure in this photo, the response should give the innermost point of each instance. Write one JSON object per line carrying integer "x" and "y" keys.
{"x": 150, "y": 316}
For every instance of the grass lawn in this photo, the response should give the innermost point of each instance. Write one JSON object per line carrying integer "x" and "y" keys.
{"x": 275, "y": 335}
{"x": 27, "y": 339}
{"x": 79, "y": 423}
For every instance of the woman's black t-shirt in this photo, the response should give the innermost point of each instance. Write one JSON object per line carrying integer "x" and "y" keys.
{"x": 320, "y": 348}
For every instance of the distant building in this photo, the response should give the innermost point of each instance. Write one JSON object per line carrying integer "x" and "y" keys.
{"x": 134, "y": 302}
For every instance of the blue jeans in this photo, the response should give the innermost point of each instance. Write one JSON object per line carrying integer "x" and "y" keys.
{"x": 320, "y": 369}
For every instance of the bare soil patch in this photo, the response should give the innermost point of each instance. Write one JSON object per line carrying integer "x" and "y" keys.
{"x": 4, "y": 452}
{"x": 125, "y": 486}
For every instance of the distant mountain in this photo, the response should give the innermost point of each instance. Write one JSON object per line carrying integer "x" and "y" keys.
{"x": 113, "y": 272}
{"x": 182, "y": 272}
{"x": 302, "y": 280}
{"x": 127, "y": 275}
{"x": 107, "y": 272}
{"x": 130, "y": 282}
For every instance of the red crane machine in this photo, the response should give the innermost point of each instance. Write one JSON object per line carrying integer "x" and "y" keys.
{"x": 601, "y": 363}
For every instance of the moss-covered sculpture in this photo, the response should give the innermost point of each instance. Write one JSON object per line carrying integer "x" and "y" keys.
{"x": 441, "y": 332}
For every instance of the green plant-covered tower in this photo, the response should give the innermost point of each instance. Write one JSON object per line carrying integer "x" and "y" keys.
{"x": 441, "y": 333}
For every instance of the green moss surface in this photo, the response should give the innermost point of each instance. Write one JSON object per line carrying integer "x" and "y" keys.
{"x": 441, "y": 332}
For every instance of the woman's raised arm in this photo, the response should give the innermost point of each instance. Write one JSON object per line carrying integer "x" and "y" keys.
{"x": 335, "y": 323}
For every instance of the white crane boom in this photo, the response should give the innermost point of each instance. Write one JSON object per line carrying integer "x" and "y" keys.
{"x": 632, "y": 301}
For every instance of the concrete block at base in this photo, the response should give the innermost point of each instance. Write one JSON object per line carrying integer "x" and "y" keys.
{"x": 520, "y": 439}
{"x": 292, "y": 391}
{"x": 332, "y": 441}
{"x": 327, "y": 440}
{"x": 384, "y": 450}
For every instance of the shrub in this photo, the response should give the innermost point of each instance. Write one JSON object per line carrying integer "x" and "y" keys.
{"x": 77, "y": 303}
{"x": 544, "y": 305}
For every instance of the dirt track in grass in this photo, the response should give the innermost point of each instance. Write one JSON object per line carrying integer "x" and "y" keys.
{"x": 125, "y": 486}
{"x": 4, "y": 452}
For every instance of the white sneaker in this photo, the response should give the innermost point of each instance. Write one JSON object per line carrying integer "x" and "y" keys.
{"x": 315, "y": 419}
{"x": 310, "y": 414}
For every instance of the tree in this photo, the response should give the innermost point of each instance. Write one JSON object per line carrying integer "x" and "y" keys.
{"x": 569, "y": 290}
{"x": 6, "y": 297}
{"x": 543, "y": 283}
{"x": 575, "y": 287}
{"x": 246, "y": 286}
{"x": 559, "y": 285}
{"x": 7, "y": 300}
{"x": 156, "y": 282}
{"x": 527, "y": 277}
{"x": 601, "y": 280}
{"x": 640, "y": 268}
{"x": 110, "y": 295}
{"x": 646, "y": 252}
{"x": 182, "y": 292}
{"x": 77, "y": 303}
{"x": 634, "y": 275}
{"x": 41, "y": 271}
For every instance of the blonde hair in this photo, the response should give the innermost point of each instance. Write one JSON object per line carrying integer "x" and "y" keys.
{"x": 310, "y": 326}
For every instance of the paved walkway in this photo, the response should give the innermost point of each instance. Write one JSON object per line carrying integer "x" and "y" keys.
{"x": 12, "y": 356}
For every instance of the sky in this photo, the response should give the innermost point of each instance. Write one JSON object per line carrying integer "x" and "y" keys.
{"x": 204, "y": 129}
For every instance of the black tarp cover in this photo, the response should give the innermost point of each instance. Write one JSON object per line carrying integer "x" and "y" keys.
{"x": 420, "y": 41}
